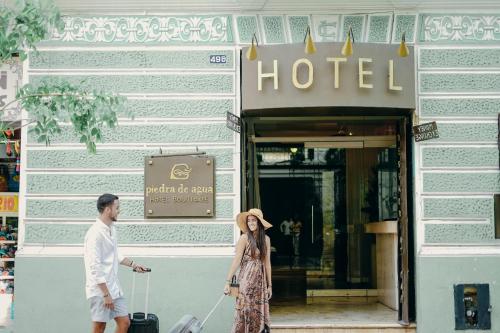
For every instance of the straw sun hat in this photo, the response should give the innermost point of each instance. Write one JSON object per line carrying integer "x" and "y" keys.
{"x": 241, "y": 219}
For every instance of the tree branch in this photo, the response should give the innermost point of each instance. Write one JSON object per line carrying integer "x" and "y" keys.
{"x": 37, "y": 95}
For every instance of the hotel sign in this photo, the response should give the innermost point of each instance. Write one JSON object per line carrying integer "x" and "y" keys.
{"x": 179, "y": 186}
{"x": 283, "y": 76}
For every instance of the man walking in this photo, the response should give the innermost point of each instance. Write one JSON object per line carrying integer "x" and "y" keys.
{"x": 101, "y": 258}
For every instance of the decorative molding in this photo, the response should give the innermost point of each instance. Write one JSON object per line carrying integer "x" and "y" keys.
{"x": 137, "y": 251}
{"x": 461, "y": 250}
{"x": 246, "y": 26}
{"x": 297, "y": 27}
{"x": 148, "y": 29}
{"x": 273, "y": 27}
{"x": 358, "y": 24}
{"x": 449, "y": 28}
{"x": 379, "y": 28}
{"x": 326, "y": 27}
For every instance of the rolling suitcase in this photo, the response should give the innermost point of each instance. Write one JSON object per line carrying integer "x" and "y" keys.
{"x": 142, "y": 322}
{"x": 190, "y": 324}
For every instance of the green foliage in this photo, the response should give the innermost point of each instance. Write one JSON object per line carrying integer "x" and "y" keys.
{"x": 24, "y": 26}
{"x": 52, "y": 102}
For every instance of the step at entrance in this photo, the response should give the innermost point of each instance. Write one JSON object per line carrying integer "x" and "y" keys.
{"x": 344, "y": 329}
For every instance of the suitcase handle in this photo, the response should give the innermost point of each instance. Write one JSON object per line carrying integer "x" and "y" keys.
{"x": 213, "y": 309}
{"x": 148, "y": 271}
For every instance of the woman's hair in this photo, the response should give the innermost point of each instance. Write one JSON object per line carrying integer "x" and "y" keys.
{"x": 258, "y": 242}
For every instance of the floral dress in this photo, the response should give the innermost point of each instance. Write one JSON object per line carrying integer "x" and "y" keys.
{"x": 252, "y": 306}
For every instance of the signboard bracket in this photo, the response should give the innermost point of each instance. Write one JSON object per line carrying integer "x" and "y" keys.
{"x": 178, "y": 154}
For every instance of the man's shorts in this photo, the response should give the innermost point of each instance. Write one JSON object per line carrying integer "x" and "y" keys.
{"x": 99, "y": 313}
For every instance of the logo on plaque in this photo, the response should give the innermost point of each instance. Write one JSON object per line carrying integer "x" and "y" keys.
{"x": 180, "y": 171}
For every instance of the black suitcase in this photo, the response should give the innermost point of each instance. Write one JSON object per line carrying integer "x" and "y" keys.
{"x": 143, "y": 322}
{"x": 191, "y": 324}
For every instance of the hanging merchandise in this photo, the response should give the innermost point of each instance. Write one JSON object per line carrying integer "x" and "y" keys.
{"x": 8, "y": 149}
{"x": 8, "y": 133}
{"x": 4, "y": 177}
{"x": 17, "y": 147}
{"x": 13, "y": 181}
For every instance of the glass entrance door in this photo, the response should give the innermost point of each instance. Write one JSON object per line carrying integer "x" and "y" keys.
{"x": 320, "y": 195}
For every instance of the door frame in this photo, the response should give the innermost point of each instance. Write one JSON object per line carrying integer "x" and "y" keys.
{"x": 406, "y": 257}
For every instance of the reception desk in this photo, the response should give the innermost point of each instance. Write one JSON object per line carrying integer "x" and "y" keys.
{"x": 387, "y": 261}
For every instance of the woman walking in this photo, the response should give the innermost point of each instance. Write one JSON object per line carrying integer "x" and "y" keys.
{"x": 253, "y": 256}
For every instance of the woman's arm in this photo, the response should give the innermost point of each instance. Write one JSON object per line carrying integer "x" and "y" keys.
{"x": 240, "y": 248}
{"x": 268, "y": 268}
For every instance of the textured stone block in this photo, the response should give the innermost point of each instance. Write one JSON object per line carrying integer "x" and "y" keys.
{"x": 102, "y": 183}
{"x": 144, "y": 84}
{"x": 459, "y": 58}
{"x": 180, "y": 108}
{"x": 112, "y": 158}
{"x": 153, "y": 133}
{"x": 357, "y": 23}
{"x": 247, "y": 25}
{"x": 274, "y": 29}
{"x": 85, "y": 208}
{"x": 378, "y": 28}
{"x": 459, "y": 107}
{"x": 461, "y": 182}
{"x": 167, "y": 59}
{"x": 459, "y": 157}
{"x": 137, "y": 233}
{"x": 462, "y": 208}
{"x": 459, "y": 233}
{"x": 404, "y": 24}
{"x": 459, "y": 82}
{"x": 466, "y": 132}
{"x": 297, "y": 26}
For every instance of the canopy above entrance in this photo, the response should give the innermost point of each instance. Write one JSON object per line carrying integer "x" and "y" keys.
{"x": 283, "y": 76}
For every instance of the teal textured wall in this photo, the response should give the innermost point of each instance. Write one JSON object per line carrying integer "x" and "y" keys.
{"x": 458, "y": 173}
{"x": 437, "y": 275}
{"x": 60, "y": 304}
{"x": 180, "y": 99}
{"x": 459, "y": 90}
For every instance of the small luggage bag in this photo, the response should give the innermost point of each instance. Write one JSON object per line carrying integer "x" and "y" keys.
{"x": 191, "y": 324}
{"x": 142, "y": 322}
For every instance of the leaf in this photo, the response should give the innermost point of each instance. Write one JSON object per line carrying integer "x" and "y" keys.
{"x": 42, "y": 139}
{"x": 83, "y": 139}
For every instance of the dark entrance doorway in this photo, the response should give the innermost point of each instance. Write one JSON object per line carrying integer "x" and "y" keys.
{"x": 323, "y": 183}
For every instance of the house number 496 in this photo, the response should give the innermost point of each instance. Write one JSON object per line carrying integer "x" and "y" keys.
{"x": 218, "y": 59}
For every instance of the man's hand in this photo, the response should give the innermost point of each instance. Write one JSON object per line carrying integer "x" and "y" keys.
{"x": 140, "y": 269}
{"x": 108, "y": 302}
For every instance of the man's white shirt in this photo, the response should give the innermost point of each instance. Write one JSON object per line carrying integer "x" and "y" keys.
{"x": 285, "y": 227}
{"x": 102, "y": 260}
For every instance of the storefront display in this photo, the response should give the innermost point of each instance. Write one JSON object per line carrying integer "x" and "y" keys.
{"x": 9, "y": 204}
